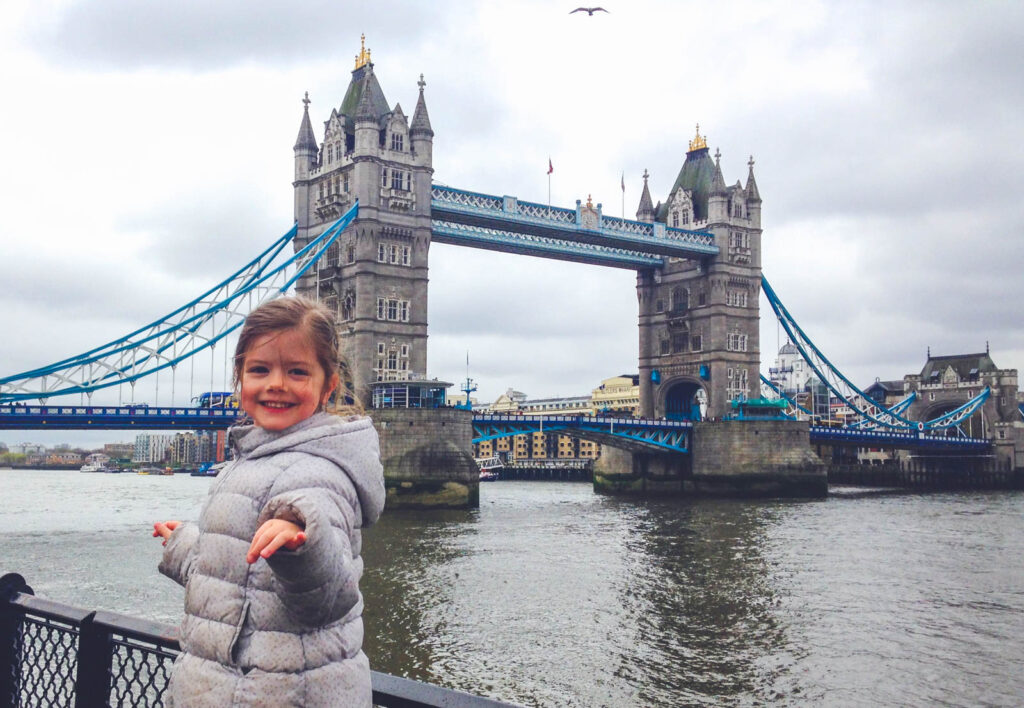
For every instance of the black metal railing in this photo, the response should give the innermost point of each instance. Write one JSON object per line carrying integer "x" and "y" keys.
{"x": 52, "y": 654}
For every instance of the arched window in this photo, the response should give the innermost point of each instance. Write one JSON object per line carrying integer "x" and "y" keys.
{"x": 680, "y": 299}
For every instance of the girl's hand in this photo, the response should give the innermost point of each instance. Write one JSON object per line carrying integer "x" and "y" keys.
{"x": 274, "y": 534}
{"x": 164, "y": 529}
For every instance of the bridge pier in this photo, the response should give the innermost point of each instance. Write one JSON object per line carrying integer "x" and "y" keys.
{"x": 427, "y": 457}
{"x": 752, "y": 458}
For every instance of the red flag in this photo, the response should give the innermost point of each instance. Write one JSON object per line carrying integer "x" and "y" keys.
{"x": 551, "y": 168}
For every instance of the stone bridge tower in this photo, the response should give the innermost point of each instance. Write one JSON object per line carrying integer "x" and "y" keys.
{"x": 375, "y": 276}
{"x": 699, "y": 317}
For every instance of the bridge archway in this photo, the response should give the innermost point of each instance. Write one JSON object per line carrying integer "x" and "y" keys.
{"x": 973, "y": 426}
{"x": 685, "y": 400}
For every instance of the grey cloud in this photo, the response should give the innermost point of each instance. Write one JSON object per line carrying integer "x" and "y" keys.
{"x": 204, "y": 36}
{"x": 206, "y": 237}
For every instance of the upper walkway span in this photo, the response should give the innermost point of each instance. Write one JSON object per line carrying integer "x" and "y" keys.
{"x": 582, "y": 235}
{"x": 650, "y": 435}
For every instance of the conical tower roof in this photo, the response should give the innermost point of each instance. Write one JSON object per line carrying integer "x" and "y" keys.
{"x": 306, "y": 139}
{"x": 695, "y": 175}
{"x": 645, "y": 212}
{"x": 364, "y": 84}
{"x": 717, "y": 180}
{"x": 420, "y": 119}
{"x": 752, "y": 194}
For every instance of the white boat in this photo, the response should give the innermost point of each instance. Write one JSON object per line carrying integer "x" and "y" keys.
{"x": 92, "y": 467}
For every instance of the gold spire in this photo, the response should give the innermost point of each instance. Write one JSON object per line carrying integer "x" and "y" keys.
{"x": 698, "y": 143}
{"x": 363, "y": 57}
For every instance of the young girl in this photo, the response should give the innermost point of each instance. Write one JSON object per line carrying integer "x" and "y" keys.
{"x": 273, "y": 613}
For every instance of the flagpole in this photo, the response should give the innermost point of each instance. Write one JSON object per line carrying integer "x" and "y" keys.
{"x": 623, "y": 183}
{"x": 551, "y": 168}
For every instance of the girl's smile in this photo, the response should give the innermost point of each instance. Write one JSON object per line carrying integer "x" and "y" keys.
{"x": 282, "y": 382}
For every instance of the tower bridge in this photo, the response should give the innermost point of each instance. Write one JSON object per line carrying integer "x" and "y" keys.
{"x": 367, "y": 209}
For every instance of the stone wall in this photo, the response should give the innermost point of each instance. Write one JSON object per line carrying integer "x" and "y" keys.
{"x": 427, "y": 457}
{"x": 733, "y": 459}
{"x": 757, "y": 458}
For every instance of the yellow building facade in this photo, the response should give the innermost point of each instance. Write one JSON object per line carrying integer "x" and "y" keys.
{"x": 618, "y": 396}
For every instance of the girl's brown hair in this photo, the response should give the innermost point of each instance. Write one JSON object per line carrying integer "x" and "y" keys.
{"x": 316, "y": 322}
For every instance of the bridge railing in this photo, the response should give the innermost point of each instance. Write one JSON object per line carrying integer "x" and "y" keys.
{"x": 822, "y": 433}
{"x": 116, "y": 417}
{"x": 460, "y": 200}
{"x": 52, "y": 654}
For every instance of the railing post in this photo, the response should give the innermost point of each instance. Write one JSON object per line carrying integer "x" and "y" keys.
{"x": 10, "y": 639}
{"x": 95, "y": 649}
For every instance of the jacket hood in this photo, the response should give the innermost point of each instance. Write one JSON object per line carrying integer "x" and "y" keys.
{"x": 350, "y": 443}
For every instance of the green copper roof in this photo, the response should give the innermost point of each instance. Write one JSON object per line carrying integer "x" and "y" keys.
{"x": 696, "y": 174}
{"x": 363, "y": 76}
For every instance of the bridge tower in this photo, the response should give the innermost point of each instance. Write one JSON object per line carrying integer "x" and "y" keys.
{"x": 375, "y": 276}
{"x": 699, "y": 317}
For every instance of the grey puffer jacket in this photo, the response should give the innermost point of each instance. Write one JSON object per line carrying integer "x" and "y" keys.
{"x": 288, "y": 630}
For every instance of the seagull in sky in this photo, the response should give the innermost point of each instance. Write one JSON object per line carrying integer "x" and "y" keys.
{"x": 589, "y": 10}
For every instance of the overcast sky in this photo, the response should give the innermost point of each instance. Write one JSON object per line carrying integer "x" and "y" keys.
{"x": 148, "y": 154}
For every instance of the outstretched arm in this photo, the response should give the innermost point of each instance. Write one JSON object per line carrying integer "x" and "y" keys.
{"x": 319, "y": 576}
{"x": 179, "y": 540}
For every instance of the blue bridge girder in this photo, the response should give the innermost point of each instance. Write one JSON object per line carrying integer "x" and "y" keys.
{"x": 468, "y": 218}
{"x": 633, "y": 434}
{"x": 57, "y": 417}
{"x": 917, "y": 441}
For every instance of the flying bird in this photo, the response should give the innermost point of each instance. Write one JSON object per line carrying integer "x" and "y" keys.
{"x": 589, "y": 10}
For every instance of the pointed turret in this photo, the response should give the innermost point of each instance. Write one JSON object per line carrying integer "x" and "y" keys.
{"x": 420, "y": 132}
{"x": 717, "y": 180}
{"x": 753, "y": 197}
{"x": 752, "y": 194}
{"x": 306, "y": 147}
{"x": 718, "y": 193}
{"x": 420, "y": 119}
{"x": 365, "y": 110}
{"x": 306, "y": 139}
{"x": 645, "y": 212}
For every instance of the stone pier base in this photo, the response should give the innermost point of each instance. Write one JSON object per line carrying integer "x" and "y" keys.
{"x": 427, "y": 457}
{"x": 728, "y": 459}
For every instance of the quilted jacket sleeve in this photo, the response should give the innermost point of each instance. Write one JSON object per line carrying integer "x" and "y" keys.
{"x": 179, "y": 553}
{"x": 319, "y": 581}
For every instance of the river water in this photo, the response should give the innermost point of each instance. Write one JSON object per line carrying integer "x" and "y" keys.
{"x": 550, "y": 595}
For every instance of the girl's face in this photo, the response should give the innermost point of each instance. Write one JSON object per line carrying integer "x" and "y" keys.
{"x": 282, "y": 381}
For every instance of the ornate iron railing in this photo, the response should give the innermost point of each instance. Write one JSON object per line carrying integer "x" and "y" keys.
{"x": 52, "y": 654}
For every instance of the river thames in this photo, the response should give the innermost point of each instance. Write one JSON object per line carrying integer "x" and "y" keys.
{"x": 550, "y": 595}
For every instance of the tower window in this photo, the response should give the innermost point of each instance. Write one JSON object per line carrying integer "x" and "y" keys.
{"x": 397, "y": 142}
{"x": 384, "y": 177}
{"x": 345, "y": 183}
{"x": 680, "y": 299}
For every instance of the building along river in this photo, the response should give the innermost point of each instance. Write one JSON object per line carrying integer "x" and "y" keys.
{"x": 550, "y": 595}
